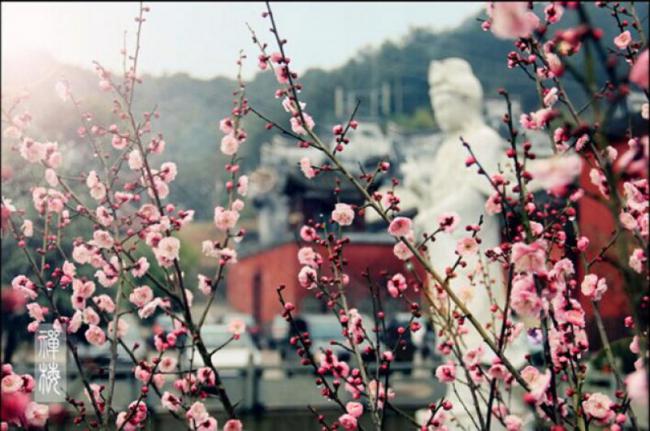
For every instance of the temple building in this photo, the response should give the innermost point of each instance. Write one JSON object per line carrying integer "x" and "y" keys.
{"x": 284, "y": 200}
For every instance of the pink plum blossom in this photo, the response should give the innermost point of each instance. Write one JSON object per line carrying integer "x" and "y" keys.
{"x": 225, "y": 219}
{"x": 343, "y": 214}
{"x": 282, "y": 74}
{"x": 637, "y": 260}
{"x": 446, "y": 373}
{"x": 95, "y": 336}
{"x": 308, "y": 233}
{"x": 226, "y": 126}
{"x": 141, "y": 296}
{"x": 204, "y": 285}
{"x": 170, "y": 401}
{"x": 402, "y": 251}
{"x": 37, "y": 414}
{"x": 307, "y": 277}
{"x": 637, "y": 386}
{"x": 553, "y": 13}
{"x": 140, "y": 267}
{"x": 582, "y": 243}
{"x": 355, "y": 409}
{"x": 307, "y": 256}
{"x": 167, "y": 250}
{"x": 537, "y": 120}
{"x": 149, "y": 308}
{"x": 102, "y": 239}
{"x": 167, "y": 364}
{"x": 599, "y": 406}
{"x": 511, "y": 20}
{"x": 242, "y": 185}
{"x": 197, "y": 413}
{"x": 348, "y": 422}
{"x": 466, "y": 246}
{"x": 639, "y": 72}
{"x": 623, "y": 40}
{"x": 90, "y": 316}
{"x": 25, "y": 286}
{"x": 306, "y": 168}
{"x": 233, "y": 425}
{"x": 593, "y": 287}
{"x": 524, "y": 298}
{"x": 36, "y": 311}
{"x": 449, "y": 221}
{"x": 537, "y": 382}
{"x": 237, "y": 327}
{"x": 396, "y": 285}
{"x": 529, "y": 257}
{"x": 555, "y": 173}
{"x": 32, "y": 151}
{"x": 229, "y": 144}
{"x": 400, "y": 226}
{"x": 627, "y": 220}
{"x": 11, "y": 383}
{"x": 513, "y": 423}
{"x": 297, "y": 125}
{"x": 551, "y": 97}
{"x": 493, "y": 204}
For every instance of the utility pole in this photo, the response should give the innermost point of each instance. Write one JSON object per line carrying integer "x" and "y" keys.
{"x": 374, "y": 103}
{"x": 351, "y": 102}
{"x": 339, "y": 102}
{"x": 385, "y": 99}
{"x": 399, "y": 97}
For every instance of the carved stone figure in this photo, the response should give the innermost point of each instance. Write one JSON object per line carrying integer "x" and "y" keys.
{"x": 456, "y": 97}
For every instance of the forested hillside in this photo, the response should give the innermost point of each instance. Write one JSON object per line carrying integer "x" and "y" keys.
{"x": 191, "y": 108}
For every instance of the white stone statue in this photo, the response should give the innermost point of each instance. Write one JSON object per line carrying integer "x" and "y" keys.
{"x": 456, "y": 97}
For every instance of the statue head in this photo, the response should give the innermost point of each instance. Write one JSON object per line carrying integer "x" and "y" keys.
{"x": 456, "y": 94}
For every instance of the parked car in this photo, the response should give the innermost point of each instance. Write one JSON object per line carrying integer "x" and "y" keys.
{"x": 428, "y": 347}
{"x": 279, "y": 333}
{"x": 288, "y": 353}
{"x": 232, "y": 358}
{"x": 323, "y": 329}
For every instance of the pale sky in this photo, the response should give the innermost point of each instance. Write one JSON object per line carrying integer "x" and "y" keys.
{"x": 203, "y": 39}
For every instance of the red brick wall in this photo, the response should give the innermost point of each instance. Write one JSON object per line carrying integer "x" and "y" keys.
{"x": 596, "y": 222}
{"x": 279, "y": 265}
{"x": 276, "y": 266}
